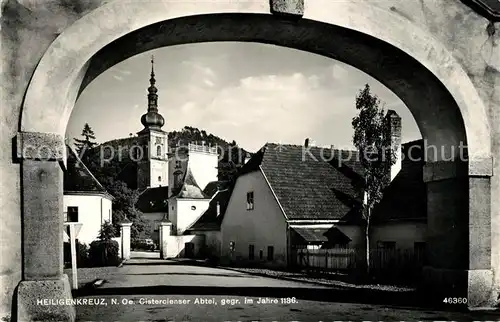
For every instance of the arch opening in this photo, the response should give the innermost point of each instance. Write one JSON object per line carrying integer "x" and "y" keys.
{"x": 428, "y": 80}
{"x": 434, "y": 109}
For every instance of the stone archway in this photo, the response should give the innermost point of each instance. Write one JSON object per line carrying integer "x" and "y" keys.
{"x": 427, "y": 78}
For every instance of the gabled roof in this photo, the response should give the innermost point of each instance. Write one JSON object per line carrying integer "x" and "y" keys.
{"x": 189, "y": 188}
{"x": 78, "y": 178}
{"x": 153, "y": 200}
{"x": 209, "y": 220}
{"x": 312, "y": 182}
{"x": 214, "y": 186}
{"x": 406, "y": 196}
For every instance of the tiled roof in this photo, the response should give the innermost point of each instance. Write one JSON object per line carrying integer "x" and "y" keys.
{"x": 153, "y": 200}
{"x": 312, "y": 182}
{"x": 78, "y": 178}
{"x": 209, "y": 220}
{"x": 406, "y": 196}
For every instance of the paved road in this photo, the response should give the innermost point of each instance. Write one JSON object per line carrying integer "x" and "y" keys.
{"x": 156, "y": 290}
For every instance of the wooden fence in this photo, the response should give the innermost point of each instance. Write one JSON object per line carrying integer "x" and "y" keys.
{"x": 382, "y": 261}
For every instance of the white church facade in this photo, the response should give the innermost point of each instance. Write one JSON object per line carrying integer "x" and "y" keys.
{"x": 171, "y": 179}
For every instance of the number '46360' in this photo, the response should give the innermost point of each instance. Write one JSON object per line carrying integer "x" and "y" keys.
{"x": 455, "y": 300}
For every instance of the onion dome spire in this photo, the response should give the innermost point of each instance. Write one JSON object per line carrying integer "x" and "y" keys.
{"x": 152, "y": 119}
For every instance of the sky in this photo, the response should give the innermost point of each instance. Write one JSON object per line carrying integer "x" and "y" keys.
{"x": 248, "y": 92}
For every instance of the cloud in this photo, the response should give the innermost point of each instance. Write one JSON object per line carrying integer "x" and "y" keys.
{"x": 200, "y": 68}
{"x": 208, "y": 82}
{"x": 119, "y": 74}
{"x": 259, "y": 109}
{"x": 339, "y": 72}
{"x": 123, "y": 71}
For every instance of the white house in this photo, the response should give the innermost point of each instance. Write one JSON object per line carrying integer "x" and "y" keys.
{"x": 85, "y": 200}
{"x": 289, "y": 197}
{"x": 285, "y": 199}
{"x": 209, "y": 224}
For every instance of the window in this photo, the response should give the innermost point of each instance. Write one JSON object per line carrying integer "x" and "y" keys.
{"x": 231, "y": 246}
{"x": 158, "y": 151}
{"x": 178, "y": 164}
{"x": 250, "y": 203}
{"x": 251, "y": 252}
{"x": 72, "y": 214}
{"x": 159, "y": 178}
{"x": 261, "y": 254}
{"x": 158, "y": 140}
{"x": 386, "y": 245}
{"x": 193, "y": 207}
{"x": 270, "y": 253}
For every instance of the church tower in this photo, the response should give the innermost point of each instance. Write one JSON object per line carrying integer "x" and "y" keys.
{"x": 152, "y": 165}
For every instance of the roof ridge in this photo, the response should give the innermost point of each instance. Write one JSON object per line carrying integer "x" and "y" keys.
{"x": 73, "y": 152}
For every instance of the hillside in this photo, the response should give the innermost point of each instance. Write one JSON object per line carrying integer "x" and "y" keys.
{"x": 194, "y": 135}
{"x": 115, "y": 169}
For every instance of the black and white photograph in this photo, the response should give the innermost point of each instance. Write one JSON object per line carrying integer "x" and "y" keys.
{"x": 250, "y": 160}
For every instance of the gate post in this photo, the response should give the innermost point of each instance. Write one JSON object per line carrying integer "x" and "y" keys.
{"x": 125, "y": 227}
{"x": 459, "y": 231}
{"x": 165, "y": 230}
{"x": 41, "y": 156}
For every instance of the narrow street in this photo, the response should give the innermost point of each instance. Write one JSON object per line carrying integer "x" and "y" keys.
{"x": 149, "y": 289}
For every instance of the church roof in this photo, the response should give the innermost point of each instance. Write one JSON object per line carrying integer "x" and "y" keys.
{"x": 189, "y": 188}
{"x": 312, "y": 182}
{"x": 78, "y": 178}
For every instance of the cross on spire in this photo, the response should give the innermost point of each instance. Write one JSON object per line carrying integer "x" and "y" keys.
{"x": 152, "y": 65}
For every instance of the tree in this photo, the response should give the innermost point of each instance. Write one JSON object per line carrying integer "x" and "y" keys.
{"x": 124, "y": 207}
{"x": 107, "y": 232}
{"x": 376, "y": 154}
{"x": 87, "y": 143}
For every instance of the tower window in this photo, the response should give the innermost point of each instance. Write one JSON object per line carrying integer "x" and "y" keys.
{"x": 159, "y": 178}
{"x": 158, "y": 151}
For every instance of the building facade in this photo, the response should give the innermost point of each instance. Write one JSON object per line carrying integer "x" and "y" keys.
{"x": 85, "y": 200}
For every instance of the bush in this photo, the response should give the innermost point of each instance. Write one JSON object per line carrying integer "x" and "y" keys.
{"x": 82, "y": 254}
{"x": 104, "y": 253}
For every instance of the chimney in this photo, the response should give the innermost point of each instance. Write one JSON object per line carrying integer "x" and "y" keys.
{"x": 306, "y": 143}
{"x": 393, "y": 123}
